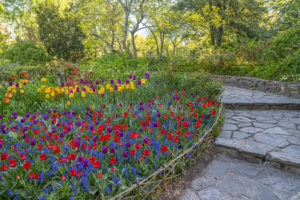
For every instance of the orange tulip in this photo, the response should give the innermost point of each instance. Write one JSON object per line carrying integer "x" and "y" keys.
{"x": 8, "y": 95}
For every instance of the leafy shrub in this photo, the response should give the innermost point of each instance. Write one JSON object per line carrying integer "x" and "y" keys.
{"x": 221, "y": 62}
{"x": 34, "y": 72}
{"x": 178, "y": 63}
{"x": 115, "y": 65}
{"x": 277, "y": 59}
{"x": 26, "y": 53}
{"x": 199, "y": 83}
{"x": 282, "y": 57}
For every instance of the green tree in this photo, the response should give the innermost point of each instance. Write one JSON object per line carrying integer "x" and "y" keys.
{"x": 240, "y": 18}
{"x": 60, "y": 33}
{"x": 101, "y": 23}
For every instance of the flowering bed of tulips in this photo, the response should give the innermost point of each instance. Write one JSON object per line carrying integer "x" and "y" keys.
{"x": 96, "y": 144}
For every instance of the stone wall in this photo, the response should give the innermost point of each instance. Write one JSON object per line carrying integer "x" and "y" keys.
{"x": 284, "y": 88}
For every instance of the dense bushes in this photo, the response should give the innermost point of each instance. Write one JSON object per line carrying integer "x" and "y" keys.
{"x": 278, "y": 59}
{"x": 199, "y": 83}
{"x": 26, "y": 53}
{"x": 111, "y": 65}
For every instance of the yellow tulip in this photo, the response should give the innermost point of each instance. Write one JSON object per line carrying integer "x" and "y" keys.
{"x": 43, "y": 87}
{"x": 92, "y": 108}
{"x": 47, "y": 96}
{"x": 9, "y": 89}
{"x": 71, "y": 95}
{"x": 83, "y": 95}
{"x": 68, "y": 103}
{"x": 43, "y": 79}
{"x": 132, "y": 86}
{"x": 14, "y": 91}
{"x": 52, "y": 94}
{"x": 39, "y": 90}
{"x": 22, "y": 91}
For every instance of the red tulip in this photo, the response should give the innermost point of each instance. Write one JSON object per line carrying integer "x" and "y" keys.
{"x": 4, "y": 156}
{"x": 43, "y": 156}
{"x": 97, "y": 164}
{"x": 112, "y": 161}
{"x": 72, "y": 172}
{"x": 12, "y": 163}
{"x": 26, "y": 165}
{"x": 146, "y": 152}
{"x": 37, "y": 176}
{"x": 3, "y": 167}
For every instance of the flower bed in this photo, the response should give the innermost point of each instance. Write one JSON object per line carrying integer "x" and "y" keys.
{"x": 99, "y": 151}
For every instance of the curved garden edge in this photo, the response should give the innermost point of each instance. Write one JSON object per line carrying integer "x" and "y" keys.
{"x": 147, "y": 181}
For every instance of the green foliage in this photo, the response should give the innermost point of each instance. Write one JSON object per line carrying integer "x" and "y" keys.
{"x": 26, "y": 53}
{"x": 282, "y": 60}
{"x": 239, "y": 18}
{"x": 284, "y": 44}
{"x": 199, "y": 83}
{"x": 116, "y": 66}
{"x": 288, "y": 14}
{"x": 220, "y": 62}
{"x": 61, "y": 35}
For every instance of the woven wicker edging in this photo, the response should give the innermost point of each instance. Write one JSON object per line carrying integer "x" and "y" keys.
{"x": 173, "y": 163}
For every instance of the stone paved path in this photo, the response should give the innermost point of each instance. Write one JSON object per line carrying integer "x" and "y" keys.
{"x": 227, "y": 178}
{"x": 270, "y": 135}
{"x": 259, "y": 150}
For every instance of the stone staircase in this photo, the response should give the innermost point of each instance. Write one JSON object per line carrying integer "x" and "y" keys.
{"x": 269, "y": 134}
{"x": 257, "y": 152}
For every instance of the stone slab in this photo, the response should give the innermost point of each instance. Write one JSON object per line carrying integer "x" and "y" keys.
{"x": 245, "y": 146}
{"x": 243, "y": 181}
{"x": 284, "y": 158}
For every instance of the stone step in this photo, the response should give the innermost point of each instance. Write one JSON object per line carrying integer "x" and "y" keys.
{"x": 262, "y": 106}
{"x": 271, "y": 137}
{"x": 240, "y": 98}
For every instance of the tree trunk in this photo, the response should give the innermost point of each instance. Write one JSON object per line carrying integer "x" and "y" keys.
{"x": 155, "y": 38}
{"x": 174, "y": 47}
{"x": 120, "y": 46}
{"x": 133, "y": 44}
{"x": 212, "y": 36}
{"x": 125, "y": 34}
{"x": 219, "y": 36}
{"x": 161, "y": 42}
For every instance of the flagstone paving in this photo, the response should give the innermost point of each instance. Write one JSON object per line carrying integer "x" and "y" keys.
{"x": 269, "y": 135}
{"x": 227, "y": 178}
{"x": 259, "y": 150}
